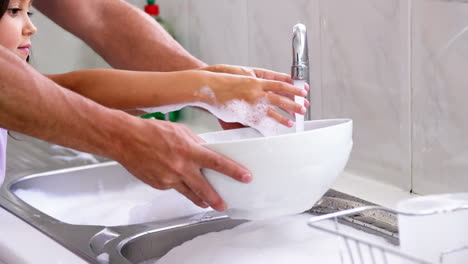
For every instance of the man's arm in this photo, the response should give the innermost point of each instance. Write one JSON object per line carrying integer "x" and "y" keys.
{"x": 32, "y": 104}
{"x": 123, "y": 35}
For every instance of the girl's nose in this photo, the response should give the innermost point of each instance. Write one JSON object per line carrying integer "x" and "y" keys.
{"x": 29, "y": 29}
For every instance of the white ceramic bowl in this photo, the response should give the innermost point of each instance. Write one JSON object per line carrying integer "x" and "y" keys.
{"x": 290, "y": 171}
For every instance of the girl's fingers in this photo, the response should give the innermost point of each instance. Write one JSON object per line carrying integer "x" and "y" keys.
{"x": 271, "y": 75}
{"x": 281, "y": 87}
{"x": 291, "y": 97}
{"x": 285, "y": 104}
{"x": 280, "y": 118}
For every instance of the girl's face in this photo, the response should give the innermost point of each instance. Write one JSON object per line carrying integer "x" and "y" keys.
{"x": 16, "y": 28}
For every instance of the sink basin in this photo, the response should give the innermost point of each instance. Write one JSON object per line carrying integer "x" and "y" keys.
{"x": 123, "y": 243}
{"x": 34, "y": 199}
{"x": 104, "y": 195}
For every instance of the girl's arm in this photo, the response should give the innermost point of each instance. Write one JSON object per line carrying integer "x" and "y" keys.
{"x": 129, "y": 89}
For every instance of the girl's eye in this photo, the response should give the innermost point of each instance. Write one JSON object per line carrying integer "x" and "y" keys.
{"x": 30, "y": 14}
{"x": 14, "y": 11}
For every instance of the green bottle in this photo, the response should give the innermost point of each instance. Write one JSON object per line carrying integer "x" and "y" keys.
{"x": 153, "y": 10}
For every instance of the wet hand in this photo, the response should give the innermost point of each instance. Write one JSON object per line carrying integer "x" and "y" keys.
{"x": 259, "y": 93}
{"x": 168, "y": 155}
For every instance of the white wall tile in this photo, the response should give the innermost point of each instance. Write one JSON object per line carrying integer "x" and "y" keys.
{"x": 440, "y": 81}
{"x": 176, "y": 13}
{"x": 218, "y": 31}
{"x": 270, "y": 39}
{"x": 54, "y": 50}
{"x": 365, "y": 77}
{"x": 50, "y": 56}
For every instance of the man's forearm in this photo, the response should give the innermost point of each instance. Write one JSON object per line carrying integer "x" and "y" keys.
{"x": 124, "y": 36}
{"x": 34, "y": 105}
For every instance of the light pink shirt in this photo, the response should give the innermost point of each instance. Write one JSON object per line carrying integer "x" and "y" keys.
{"x": 3, "y": 143}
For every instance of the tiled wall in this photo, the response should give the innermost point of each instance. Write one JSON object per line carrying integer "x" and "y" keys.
{"x": 55, "y": 50}
{"x": 364, "y": 48}
{"x": 440, "y": 96}
{"x": 396, "y": 67}
{"x": 359, "y": 64}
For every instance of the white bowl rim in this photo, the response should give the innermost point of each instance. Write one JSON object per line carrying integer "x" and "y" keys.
{"x": 340, "y": 122}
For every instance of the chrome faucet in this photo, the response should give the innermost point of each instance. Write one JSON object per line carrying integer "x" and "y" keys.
{"x": 300, "y": 63}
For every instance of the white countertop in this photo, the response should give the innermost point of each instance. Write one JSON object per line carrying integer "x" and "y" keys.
{"x": 371, "y": 190}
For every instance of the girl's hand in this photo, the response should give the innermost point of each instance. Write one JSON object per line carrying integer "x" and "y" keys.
{"x": 257, "y": 73}
{"x": 224, "y": 88}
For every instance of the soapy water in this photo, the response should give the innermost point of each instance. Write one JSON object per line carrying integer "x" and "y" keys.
{"x": 133, "y": 204}
{"x": 252, "y": 115}
{"x": 282, "y": 240}
{"x": 300, "y": 100}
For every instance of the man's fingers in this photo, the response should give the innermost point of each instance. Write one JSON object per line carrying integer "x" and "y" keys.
{"x": 197, "y": 183}
{"x": 202, "y": 189}
{"x": 184, "y": 190}
{"x": 212, "y": 160}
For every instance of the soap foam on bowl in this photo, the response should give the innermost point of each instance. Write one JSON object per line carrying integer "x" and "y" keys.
{"x": 290, "y": 171}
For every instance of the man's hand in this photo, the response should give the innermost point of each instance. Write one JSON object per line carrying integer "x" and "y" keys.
{"x": 168, "y": 155}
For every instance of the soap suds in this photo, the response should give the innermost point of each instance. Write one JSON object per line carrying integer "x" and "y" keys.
{"x": 208, "y": 92}
{"x": 282, "y": 240}
{"x": 252, "y": 115}
{"x": 133, "y": 204}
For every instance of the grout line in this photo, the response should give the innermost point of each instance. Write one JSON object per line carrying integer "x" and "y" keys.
{"x": 410, "y": 89}
{"x": 319, "y": 17}
{"x": 247, "y": 30}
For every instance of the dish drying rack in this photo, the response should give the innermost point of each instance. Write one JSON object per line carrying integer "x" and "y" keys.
{"x": 371, "y": 219}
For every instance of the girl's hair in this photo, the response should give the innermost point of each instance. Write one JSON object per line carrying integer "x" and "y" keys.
{"x": 3, "y": 6}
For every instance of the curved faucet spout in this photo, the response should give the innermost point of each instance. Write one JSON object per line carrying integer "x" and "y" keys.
{"x": 299, "y": 46}
{"x": 300, "y": 63}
